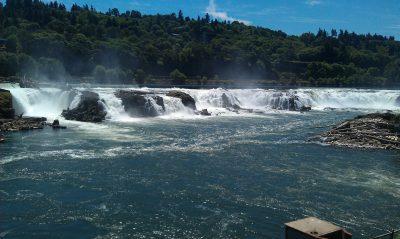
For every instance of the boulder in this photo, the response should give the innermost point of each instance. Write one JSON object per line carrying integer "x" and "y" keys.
{"x": 89, "y": 109}
{"x": 187, "y": 100}
{"x": 397, "y": 102}
{"x": 6, "y": 105}
{"x": 205, "y": 112}
{"x": 226, "y": 103}
{"x": 56, "y": 125}
{"x": 305, "y": 108}
{"x": 292, "y": 103}
{"x": 284, "y": 101}
{"x": 159, "y": 101}
{"x": 139, "y": 104}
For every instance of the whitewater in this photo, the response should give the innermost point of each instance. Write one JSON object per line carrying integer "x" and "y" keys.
{"x": 50, "y": 102}
{"x": 239, "y": 173}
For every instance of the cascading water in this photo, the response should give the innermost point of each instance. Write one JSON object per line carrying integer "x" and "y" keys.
{"x": 50, "y": 102}
{"x": 46, "y": 102}
{"x": 319, "y": 99}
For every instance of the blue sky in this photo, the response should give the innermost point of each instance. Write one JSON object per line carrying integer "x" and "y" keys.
{"x": 291, "y": 16}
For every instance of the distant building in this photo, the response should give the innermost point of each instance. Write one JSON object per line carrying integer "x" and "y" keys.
{"x": 3, "y": 43}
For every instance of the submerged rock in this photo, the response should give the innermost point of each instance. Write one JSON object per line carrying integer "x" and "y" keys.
{"x": 22, "y": 124}
{"x": 187, "y": 100}
{"x": 139, "y": 104}
{"x": 378, "y": 131}
{"x": 89, "y": 109}
{"x": 6, "y": 105}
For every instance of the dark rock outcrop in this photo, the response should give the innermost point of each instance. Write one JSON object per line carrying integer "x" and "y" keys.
{"x": 139, "y": 104}
{"x": 56, "y": 125}
{"x": 205, "y": 112}
{"x": 22, "y": 124}
{"x": 187, "y": 100}
{"x": 226, "y": 103}
{"x": 305, "y": 108}
{"x": 89, "y": 109}
{"x": 292, "y": 103}
{"x": 378, "y": 131}
{"x": 285, "y": 101}
{"x": 6, "y": 105}
{"x": 397, "y": 101}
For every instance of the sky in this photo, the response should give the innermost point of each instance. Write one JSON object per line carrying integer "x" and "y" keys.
{"x": 291, "y": 16}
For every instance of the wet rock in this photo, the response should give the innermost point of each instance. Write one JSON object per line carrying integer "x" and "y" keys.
{"x": 378, "y": 131}
{"x": 205, "y": 112}
{"x": 139, "y": 104}
{"x": 187, "y": 100}
{"x": 56, "y": 125}
{"x": 397, "y": 102}
{"x": 305, "y": 108}
{"x": 89, "y": 109}
{"x": 159, "y": 101}
{"x": 292, "y": 103}
{"x": 22, "y": 124}
{"x": 226, "y": 103}
{"x": 285, "y": 101}
{"x": 6, "y": 105}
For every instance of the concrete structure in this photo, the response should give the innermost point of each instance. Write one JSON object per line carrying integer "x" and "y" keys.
{"x": 314, "y": 228}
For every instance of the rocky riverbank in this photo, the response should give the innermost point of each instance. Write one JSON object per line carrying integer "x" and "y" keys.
{"x": 22, "y": 124}
{"x": 374, "y": 131}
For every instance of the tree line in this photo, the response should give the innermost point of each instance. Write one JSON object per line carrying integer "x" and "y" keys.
{"x": 48, "y": 41}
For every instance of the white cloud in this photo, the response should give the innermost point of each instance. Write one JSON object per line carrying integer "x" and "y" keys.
{"x": 313, "y": 2}
{"x": 212, "y": 10}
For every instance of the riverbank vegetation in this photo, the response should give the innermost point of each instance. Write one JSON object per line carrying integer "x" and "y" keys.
{"x": 48, "y": 41}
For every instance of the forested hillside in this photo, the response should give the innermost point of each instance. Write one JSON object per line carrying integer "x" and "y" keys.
{"x": 48, "y": 41}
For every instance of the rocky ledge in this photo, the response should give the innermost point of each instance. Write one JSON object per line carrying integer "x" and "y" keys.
{"x": 186, "y": 99}
{"x": 6, "y": 105}
{"x": 89, "y": 109}
{"x": 22, "y": 124}
{"x": 138, "y": 103}
{"x": 375, "y": 131}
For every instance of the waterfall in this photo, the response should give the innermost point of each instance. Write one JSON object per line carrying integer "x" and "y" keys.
{"x": 50, "y": 102}
{"x": 317, "y": 98}
{"x": 45, "y": 102}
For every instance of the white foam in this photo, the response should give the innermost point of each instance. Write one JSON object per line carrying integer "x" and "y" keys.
{"x": 49, "y": 102}
{"x": 45, "y": 102}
